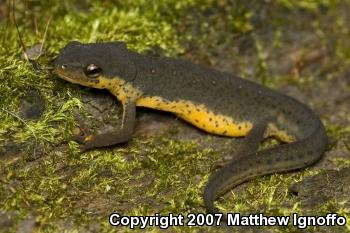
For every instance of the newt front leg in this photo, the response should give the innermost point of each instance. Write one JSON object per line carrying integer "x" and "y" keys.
{"x": 114, "y": 137}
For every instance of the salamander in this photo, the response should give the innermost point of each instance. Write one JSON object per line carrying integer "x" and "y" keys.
{"x": 216, "y": 102}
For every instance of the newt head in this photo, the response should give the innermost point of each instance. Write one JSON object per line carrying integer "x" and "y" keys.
{"x": 96, "y": 65}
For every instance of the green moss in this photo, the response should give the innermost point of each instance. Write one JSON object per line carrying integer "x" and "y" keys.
{"x": 59, "y": 185}
{"x": 162, "y": 175}
{"x": 310, "y": 5}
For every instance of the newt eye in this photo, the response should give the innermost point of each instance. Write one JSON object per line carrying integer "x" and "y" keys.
{"x": 92, "y": 71}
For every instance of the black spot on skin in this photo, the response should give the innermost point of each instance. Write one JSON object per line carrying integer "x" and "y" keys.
{"x": 210, "y": 119}
{"x": 187, "y": 106}
{"x": 189, "y": 111}
{"x": 197, "y": 109}
{"x": 204, "y": 125}
{"x": 239, "y": 127}
{"x": 173, "y": 107}
{"x": 224, "y": 133}
{"x": 196, "y": 120}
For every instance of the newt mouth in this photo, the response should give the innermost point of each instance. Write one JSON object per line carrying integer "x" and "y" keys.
{"x": 65, "y": 77}
{"x": 79, "y": 81}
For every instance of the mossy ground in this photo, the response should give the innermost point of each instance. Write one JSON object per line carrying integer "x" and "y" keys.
{"x": 299, "y": 47}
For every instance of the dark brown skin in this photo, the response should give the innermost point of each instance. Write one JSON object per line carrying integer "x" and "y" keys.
{"x": 214, "y": 101}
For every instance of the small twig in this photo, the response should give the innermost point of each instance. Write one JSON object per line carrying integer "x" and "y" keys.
{"x": 18, "y": 32}
{"x": 45, "y": 34}
{"x": 25, "y": 123}
{"x": 35, "y": 21}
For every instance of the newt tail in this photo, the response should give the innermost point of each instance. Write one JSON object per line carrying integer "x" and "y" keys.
{"x": 287, "y": 157}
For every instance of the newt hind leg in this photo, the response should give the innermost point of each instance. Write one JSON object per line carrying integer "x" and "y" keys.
{"x": 250, "y": 144}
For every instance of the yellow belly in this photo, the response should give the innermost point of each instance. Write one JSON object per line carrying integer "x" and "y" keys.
{"x": 199, "y": 116}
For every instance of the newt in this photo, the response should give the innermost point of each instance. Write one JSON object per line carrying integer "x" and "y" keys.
{"x": 216, "y": 102}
